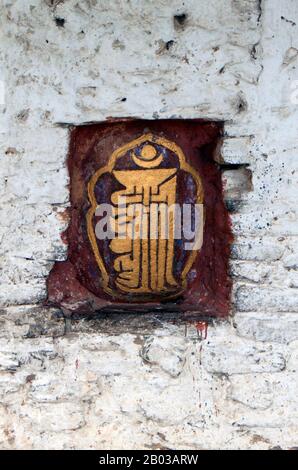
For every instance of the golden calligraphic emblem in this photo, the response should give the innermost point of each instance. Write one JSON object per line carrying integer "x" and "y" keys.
{"x": 142, "y": 182}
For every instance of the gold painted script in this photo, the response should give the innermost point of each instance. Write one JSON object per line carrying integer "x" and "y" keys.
{"x": 141, "y": 253}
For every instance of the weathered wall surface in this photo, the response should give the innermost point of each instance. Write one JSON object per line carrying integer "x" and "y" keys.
{"x": 149, "y": 383}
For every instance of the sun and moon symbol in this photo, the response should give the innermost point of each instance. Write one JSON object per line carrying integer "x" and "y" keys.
{"x": 148, "y": 158}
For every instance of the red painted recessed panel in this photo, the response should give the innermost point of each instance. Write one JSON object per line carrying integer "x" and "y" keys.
{"x": 150, "y": 164}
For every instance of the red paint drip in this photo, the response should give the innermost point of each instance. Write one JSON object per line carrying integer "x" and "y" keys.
{"x": 202, "y": 328}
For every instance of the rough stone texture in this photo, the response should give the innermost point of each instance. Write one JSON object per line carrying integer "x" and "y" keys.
{"x": 149, "y": 382}
{"x": 109, "y": 383}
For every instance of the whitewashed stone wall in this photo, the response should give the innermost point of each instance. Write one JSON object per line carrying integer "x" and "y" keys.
{"x": 146, "y": 382}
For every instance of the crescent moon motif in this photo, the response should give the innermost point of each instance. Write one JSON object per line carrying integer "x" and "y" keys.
{"x": 147, "y": 164}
